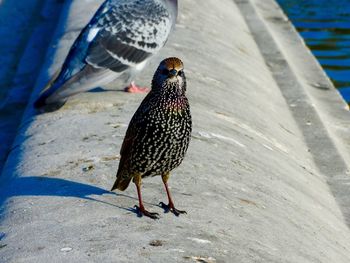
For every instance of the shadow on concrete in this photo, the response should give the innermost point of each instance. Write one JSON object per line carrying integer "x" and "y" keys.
{"x": 26, "y": 29}
{"x": 47, "y": 186}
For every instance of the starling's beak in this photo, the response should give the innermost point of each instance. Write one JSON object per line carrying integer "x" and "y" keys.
{"x": 172, "y": 73}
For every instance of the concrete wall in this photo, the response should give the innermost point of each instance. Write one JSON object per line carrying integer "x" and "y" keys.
{"x": 252, "y": 183}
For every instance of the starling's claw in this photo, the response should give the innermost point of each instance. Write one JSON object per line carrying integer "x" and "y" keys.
{"x": 144, "y": 212}
{"x": 172, "y": 209}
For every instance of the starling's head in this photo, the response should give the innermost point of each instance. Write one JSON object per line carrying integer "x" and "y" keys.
{"x": 170, "y": 75}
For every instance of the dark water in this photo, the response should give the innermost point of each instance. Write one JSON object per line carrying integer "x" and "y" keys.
{"x": 325, "y": 27}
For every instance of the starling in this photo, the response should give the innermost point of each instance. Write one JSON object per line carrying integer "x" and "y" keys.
{"x": 158, "y": 134}
{"x": 116, "y": 43}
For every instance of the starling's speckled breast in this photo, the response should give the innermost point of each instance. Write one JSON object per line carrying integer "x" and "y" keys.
{"x": 164, "y": 130}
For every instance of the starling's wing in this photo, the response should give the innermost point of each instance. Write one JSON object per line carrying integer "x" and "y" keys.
{"x": 131, "y": 138}
{"x": 129, "y": 33}
{"x": 123, "y": 174}
{"x": 135, "y": 126}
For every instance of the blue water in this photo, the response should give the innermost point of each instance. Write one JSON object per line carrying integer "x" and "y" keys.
{"x": 325, "y": 27}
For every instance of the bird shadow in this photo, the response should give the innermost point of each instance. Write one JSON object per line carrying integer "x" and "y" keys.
{"x": 104, "y": 89}
{"x": 47, "y": 186}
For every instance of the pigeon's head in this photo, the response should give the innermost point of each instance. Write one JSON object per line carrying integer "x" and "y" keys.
{"x": 170, "y": 75}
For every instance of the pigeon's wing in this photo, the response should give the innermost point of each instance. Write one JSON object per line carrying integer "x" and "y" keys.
{"x": 127, "y": 34}
{"x": 122, "y": 34}
{"x": 75, "y": 60}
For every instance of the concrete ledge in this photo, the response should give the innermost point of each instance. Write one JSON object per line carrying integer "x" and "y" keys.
{"x": 319, "y": 110}
{"x": 251, "y": 184}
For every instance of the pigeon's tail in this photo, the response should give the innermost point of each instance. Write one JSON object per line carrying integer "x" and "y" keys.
{"x": 86, "y": 79}
{"x": 46, "y": 92}
{"x": 40, "y": 102}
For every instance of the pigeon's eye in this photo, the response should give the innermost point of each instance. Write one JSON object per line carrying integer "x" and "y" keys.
{"x": 180, "y": 73}
{"x": 165, "y": 71}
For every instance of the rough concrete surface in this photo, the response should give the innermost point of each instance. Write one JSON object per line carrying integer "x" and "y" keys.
{"x": 251, "y": 183}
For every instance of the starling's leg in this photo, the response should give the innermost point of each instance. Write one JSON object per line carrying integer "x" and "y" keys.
{"x": 170, "y": 206}
{"x": 133, "y": 88}
{"x": 141, "y": 209}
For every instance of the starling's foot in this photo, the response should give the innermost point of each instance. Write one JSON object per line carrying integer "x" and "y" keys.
{"x": 172, "y": 209}
{"x": 142, "y": 211}
{"x": 133, "y": 88}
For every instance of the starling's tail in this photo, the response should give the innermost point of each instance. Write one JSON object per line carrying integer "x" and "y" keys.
{"x": 121, "y": 184}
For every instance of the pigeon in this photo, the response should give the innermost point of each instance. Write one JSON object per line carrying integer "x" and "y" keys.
{"x": 115, "y": 44}
{"x": 158, "y": 135}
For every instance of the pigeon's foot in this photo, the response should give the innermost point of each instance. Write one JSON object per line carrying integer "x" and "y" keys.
{"x": 133, "y": 88}
{"x": 141, "y": 211}
{"x": 172, "y": 209}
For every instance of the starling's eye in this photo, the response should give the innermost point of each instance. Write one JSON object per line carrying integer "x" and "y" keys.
{"x": 180, "y": 73}
{"x": 165, "y": 71}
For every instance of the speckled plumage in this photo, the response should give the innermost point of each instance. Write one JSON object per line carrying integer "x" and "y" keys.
{"x": 159, "y": 133}
{"x": 116, "y": 43}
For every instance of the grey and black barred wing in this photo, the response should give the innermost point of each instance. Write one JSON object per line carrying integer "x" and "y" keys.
{"x": 75, "y": 60}
{"x": 128, "y": 34}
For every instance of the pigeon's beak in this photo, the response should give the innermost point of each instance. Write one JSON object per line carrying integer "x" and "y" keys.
{"x": 172, "y": 73}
